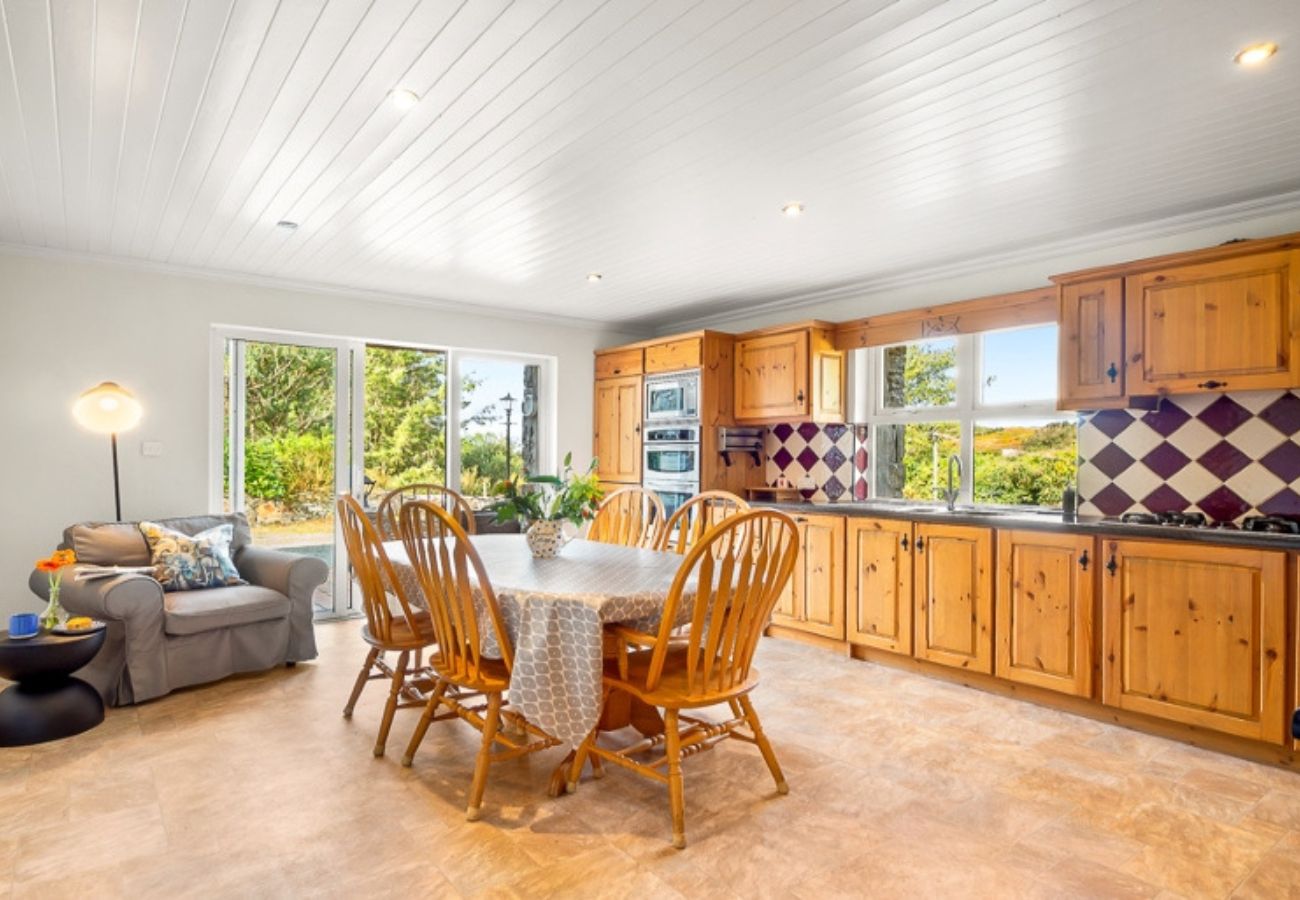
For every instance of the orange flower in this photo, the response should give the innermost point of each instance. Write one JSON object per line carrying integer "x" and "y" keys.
{"x": 56, "y": 561}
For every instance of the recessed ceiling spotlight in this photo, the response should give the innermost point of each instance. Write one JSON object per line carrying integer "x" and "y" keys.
{"x": 594, "y": 277}
{"x": 793, "y": 209}
{"x": 403, "y": 99}
{"x": 1255, "y": 54}
{"x": 286, "y": 225}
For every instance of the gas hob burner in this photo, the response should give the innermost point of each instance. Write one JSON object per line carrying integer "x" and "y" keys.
{"x": 1270, "y": 525}
{"x": 1138, "y": 518}
{"x": 1184, "y": 519}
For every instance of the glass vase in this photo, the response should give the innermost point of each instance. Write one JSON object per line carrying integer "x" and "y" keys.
{"x": 53, "y": 615}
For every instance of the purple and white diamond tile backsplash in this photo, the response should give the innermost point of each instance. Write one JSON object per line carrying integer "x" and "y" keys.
{"x": 1226, "y": 455}
{"x": 827, "y": 461}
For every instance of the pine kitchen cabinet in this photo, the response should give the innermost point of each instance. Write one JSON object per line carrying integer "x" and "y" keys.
{"x": 791, "y": 374}
{"x": 1091, "y": 345}
{"x": 1230, "y": 324}
{"x": 1197, "y": 634}
{"x": 617, "y": 438}
{"x": 1046, "y": 591}
{"x": 813, "y": 602}
{"x": 954, "y": 595}
{"x": 878, "y": 583}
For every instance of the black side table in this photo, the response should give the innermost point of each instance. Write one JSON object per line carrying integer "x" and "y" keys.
{"x": 47, "y": 703}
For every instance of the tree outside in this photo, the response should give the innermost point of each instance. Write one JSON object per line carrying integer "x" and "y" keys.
{"x": 289, "y": 434}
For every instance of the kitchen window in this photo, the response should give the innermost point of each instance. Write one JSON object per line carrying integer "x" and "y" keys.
{"x": 989, "y": 398}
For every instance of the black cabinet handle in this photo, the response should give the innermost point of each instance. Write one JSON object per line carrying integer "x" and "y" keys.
{"x": 1112, "y": 566}
{"x": 1112, "y": 373}
{"x": 637, "y": 429}
{"x": 904, "y": 542}
{"x": 1083, "y": 561}
{"x": 799, "y": 397}
{"x": 1212, "y": 384}
{"x": 920, "y": 545}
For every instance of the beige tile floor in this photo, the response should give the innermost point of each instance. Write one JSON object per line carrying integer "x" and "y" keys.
{"x": 900, "y": 786}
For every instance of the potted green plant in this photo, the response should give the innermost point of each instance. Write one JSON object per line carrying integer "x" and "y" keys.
{"x": 543, "y": 503}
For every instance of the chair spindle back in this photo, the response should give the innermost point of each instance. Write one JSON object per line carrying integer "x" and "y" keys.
{"x": 695, "y": 517}
{"x": 450, "y": 573}
{"x": 390, "y": 507}
{"x": 374, "y": 573}
{"x": 630, "y": 517}
{"x": 737, "y": 573}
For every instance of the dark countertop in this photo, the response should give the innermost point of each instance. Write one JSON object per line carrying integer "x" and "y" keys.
{"x": 1028, "y": 520}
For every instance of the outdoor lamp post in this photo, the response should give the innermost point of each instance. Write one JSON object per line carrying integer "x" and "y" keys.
{"x": 108, "y": 408}
{"x": 509, "y": 401}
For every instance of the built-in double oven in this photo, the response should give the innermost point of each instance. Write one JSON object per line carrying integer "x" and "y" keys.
{"x": 671, "y": 437}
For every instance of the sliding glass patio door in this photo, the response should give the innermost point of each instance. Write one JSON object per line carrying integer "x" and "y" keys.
{"x": 286, "y": 423}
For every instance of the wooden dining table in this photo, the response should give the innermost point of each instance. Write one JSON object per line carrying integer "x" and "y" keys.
{"x": 554, "y": 611}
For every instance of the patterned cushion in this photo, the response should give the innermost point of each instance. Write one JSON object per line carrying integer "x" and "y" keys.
{"x": 183, "y": 562}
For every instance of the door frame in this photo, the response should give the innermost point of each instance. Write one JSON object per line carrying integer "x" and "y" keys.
{"x": 344, "y": 432}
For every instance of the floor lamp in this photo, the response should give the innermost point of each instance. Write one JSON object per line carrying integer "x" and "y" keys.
{"x": 109, "y": 408}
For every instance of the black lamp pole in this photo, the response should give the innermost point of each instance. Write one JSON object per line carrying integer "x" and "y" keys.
{"x": 117, "y": 485}
{"x": 509, "y": 401}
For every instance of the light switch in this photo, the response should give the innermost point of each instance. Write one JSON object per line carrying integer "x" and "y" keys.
{"x": 151, "y": 448}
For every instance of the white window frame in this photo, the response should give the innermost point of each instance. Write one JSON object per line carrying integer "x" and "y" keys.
{"x": 350, "y": 413}
{"x": 965, "y": 411}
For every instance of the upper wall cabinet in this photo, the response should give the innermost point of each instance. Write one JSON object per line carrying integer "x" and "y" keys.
{"x": 669, "y": 356}
{"x": 1224, "y": 318}
{"x": 789, "y": 375}
{"x": 619, "y": 363}
{"x": 1233, "y": 324}
{"x": 1091, "y": 339}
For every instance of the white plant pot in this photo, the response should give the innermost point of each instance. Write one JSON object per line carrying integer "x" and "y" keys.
{"x": 545, "y": 538}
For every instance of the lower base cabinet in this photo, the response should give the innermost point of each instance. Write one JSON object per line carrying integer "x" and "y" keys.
{"x": 1044, "y": 613}
{"x": 878, "y": 583}
{"x": 814, "y": 600}
{"x": 1198, "y": 635}
{"x": 954, "y": 596}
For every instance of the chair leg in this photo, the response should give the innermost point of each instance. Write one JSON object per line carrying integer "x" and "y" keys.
{"x": 361, "y": 682}
{"x": 764, "y": 745}
{"x": 580, "y": 759}
{"x": 676, "y": 792}
{"x": 490, "y": 724}
{"x": 399, "y": 678}
{"x": 430, "y": 710}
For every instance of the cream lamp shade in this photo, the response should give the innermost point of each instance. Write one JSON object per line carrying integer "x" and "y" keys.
{"x": 107, "y": 408}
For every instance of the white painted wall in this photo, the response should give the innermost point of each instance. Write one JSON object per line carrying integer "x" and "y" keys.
{"x": 67, "y": 325}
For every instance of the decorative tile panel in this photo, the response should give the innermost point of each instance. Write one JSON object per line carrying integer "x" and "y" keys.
{"x": 1226, "y": 455}
{"x": 828, "y": 462}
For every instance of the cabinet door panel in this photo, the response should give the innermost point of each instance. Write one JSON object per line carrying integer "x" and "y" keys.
{"x": 1045, "y": 601}
{"x": 1092, "y": 343}
{"x": 1231, "y": 324}
{"x": 673, "y": 355}
{"x": 954, "y": 596}
{"x": 1197, "y": 635}
{"x": 618, "y": 429}
{"x": 879, "y": 583}
{"x": 822, "y": 586}
{"x": 772, "y": 376}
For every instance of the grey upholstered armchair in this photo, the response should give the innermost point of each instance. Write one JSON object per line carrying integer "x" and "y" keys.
{"x": 158, "y": 640}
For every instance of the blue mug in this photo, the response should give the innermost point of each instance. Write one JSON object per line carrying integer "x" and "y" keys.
{"x": 24, "y": 625}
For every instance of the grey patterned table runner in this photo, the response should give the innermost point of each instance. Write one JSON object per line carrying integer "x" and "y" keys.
{"x": 554, "y": 610}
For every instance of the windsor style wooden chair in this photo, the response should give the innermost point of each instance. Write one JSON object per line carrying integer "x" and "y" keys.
{"x": 448, "y": 499}
{"x": 631, "y": 517}
{"x": 405, "y": 631}
{"x": 730, "y": 580}
{"x": 460, "y": 596}
{"x": 696, "y": 516}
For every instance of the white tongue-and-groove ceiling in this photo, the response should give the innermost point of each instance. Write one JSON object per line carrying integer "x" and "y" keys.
{"x": 653, "y": 141}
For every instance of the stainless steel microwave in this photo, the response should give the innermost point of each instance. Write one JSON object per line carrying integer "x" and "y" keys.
{"x": 673, "y": 397}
